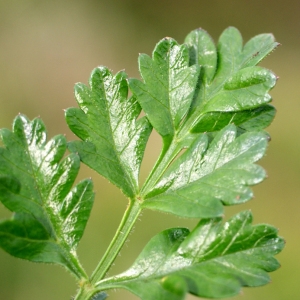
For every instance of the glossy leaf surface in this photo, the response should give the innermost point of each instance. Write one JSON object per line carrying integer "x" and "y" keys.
{"x": 212, "y": 261}
{"x": 49, "y": 214}
{"x": 168, "y": 88}
{"x": 209, "y": 174}
{"x": 113, "y": 141}
{"x": 209, "y": 104}
{"x": 231, "y": 88}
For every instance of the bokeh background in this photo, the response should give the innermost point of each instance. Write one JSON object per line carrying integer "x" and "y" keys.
{"x": 47, "y": 46}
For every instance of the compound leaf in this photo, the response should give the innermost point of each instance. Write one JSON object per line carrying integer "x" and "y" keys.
{"x": 212, "y": 261}
{"x": 226, "y": 88}
{"x": 36, "y": 184}
{"x": 113, "y": 141}
{"x": 209, "y": 104}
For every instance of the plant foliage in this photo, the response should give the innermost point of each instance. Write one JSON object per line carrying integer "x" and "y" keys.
{"x": 210, "y": 104}
{"x": 49, "y": 215}
{"x": 211, "y": 261}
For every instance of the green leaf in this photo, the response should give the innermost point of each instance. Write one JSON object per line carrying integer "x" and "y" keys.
{"x": 209, "y": 174}
{"x": 230, "y": 85}
{"x": 245, "y": 90}
{"x": 49, "y": 215}
{"x": 229, "y": 89}
{"x": 113, "y": 140}
{"x": 209, "y": 104}
{"x": 257, "y": 48}
{"x": 203, "y": 52}
{"x": 168, "y": 87}
{"x": 212, "y": 261}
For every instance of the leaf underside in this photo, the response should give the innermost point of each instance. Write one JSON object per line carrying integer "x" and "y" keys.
{"x": 49, "y": 214}
{"x": 212, "y": 261}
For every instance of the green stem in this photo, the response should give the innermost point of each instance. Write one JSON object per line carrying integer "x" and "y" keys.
{"x": 77, "y": 268}
{"x": 182, "y": 139}
{"x": 160, "y": 167}
{"x": 87, "y": 289}
{"x": 86, "y": 292}
{"x": 131, "y": 214}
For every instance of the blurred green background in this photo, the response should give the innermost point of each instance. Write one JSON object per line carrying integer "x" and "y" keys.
{"x": 47, "y": 46}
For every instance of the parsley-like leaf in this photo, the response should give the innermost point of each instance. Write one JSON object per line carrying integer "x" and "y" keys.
{"x": 113, "y": 141}
{"x": 223, "y": 86}
{"x": 209, "y": 174}
{"x": 49, "y": 215}
{"x": 209, "y": 103}
{"x": 231, "y": 89}
{"x": 169, "y": 84}
{"x": 212, "y": 261}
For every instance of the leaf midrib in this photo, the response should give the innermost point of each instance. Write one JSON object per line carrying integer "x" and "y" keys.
{"x": 133, "y": 186}
{"x": 53, "y": 233}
